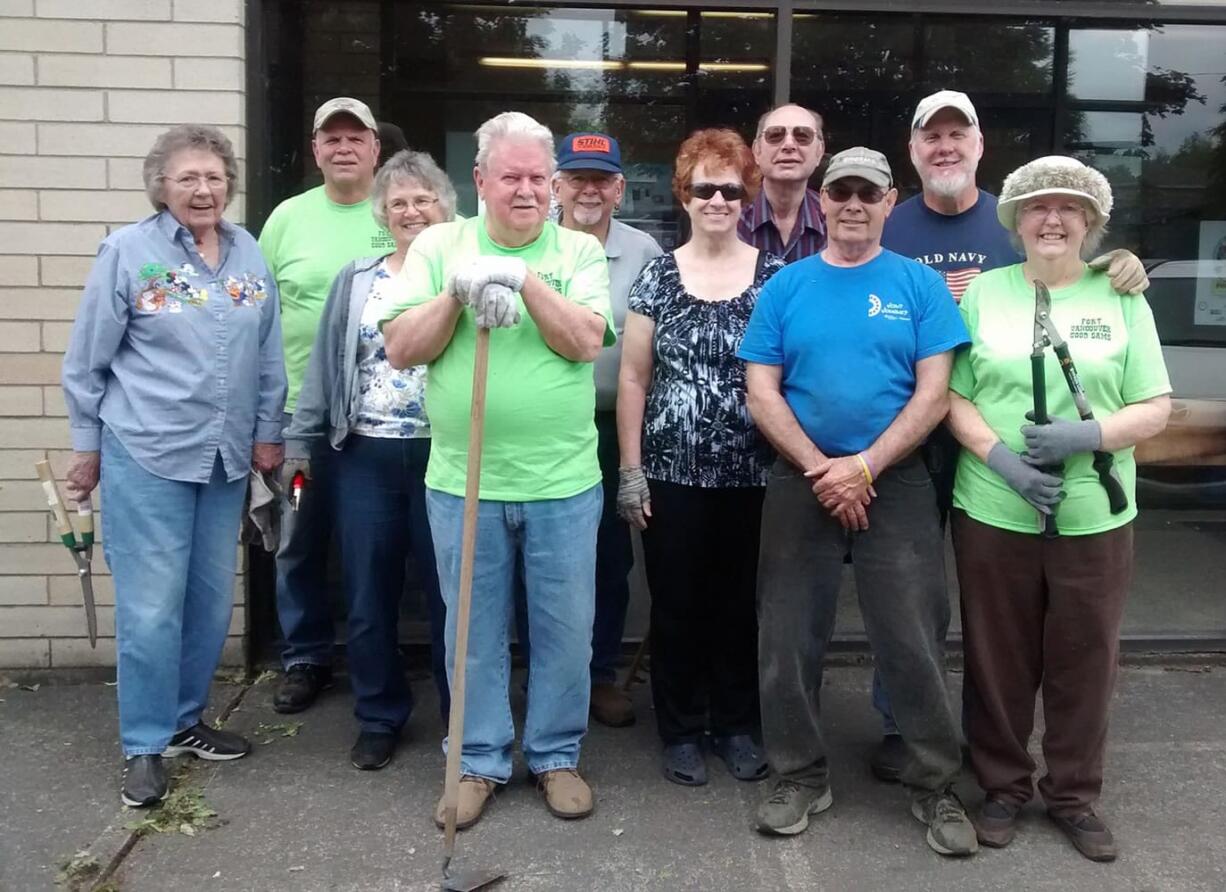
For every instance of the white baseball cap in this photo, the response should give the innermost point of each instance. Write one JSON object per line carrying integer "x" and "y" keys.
{"x": 930, "y": 105}
{"x": 343, "y": 105}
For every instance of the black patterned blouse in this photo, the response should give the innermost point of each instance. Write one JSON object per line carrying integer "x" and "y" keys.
{"x": 696, "y": 427}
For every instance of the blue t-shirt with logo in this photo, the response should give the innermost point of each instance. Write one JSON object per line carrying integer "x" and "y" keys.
{"x": 958, "y": 246}
{"x": 848, "y": 339}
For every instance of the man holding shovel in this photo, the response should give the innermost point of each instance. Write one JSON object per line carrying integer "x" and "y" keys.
{"x": 543, "y": 291}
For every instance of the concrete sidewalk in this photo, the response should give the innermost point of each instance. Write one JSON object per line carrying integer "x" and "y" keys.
{"x": 295, "y": 815}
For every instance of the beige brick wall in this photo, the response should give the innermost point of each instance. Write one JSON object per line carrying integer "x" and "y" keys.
{"x": 84, "y": 89}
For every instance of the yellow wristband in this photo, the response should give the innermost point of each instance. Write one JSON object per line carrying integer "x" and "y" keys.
{"x": 868, "y": 477}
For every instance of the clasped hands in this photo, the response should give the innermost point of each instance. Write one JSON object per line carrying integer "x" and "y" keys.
{"x": 842, "y": 487}
{"x": 488, "y": 285}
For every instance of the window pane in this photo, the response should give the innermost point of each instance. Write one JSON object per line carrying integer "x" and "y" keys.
{"x": 967, "y": 57}
{"x": 1107, "y": 64}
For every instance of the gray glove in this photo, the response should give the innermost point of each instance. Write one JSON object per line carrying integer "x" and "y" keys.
{"x": 496, "y": 307}
{"x": 289, "y": 468}
{"x": 1050, "y": 444}
{"x": 1040, "y": 489}
{"x": 633, "y": 496}
{"x": 1124, "y": 269}
{"x": 467, "y": 284}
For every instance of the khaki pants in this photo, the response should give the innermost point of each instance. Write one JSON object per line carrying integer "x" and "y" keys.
{"x": 1040, "y": 613}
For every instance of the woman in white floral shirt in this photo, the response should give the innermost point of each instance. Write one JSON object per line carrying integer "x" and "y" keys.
{"x": 374, "y": 416}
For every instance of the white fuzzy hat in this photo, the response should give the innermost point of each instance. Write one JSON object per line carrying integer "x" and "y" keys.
{"x": 1054, "y": 175}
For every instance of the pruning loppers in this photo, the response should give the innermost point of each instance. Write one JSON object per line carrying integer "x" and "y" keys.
{"x": 1046, "y": 335}
{"x": 82, "y": 549}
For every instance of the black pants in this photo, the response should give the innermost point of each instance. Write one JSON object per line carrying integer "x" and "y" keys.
{"x": 701, "y": 555}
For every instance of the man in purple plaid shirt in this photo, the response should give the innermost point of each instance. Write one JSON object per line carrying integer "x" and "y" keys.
{"x": 786, "y": 219}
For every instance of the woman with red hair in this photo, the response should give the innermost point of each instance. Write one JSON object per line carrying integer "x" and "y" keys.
{"x": 694, "y": 467}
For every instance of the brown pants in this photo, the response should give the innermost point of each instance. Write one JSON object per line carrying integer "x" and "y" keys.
{"x": 1040, "y": 612}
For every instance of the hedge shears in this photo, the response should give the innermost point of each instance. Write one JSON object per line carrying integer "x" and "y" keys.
{"x": 82, "y": 549}
{"x": 1047, "y": 335}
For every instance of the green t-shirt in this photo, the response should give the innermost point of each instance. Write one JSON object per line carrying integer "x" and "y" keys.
{"x": 1115, "y": 346}
{"x": 306, "y": 241}
{"x": 540, "y": 436}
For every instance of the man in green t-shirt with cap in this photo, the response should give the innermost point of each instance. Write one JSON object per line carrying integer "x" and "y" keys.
{"x": 544, "y": 292}
{"x": 306, "y": 241}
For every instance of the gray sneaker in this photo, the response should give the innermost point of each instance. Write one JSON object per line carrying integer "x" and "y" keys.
{"x": 950, "y": 831}
{"x": 786, "y": 811}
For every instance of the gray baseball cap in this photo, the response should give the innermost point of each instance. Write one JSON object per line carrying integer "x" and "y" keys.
{"x": 343, "y": 105}
{"x": 859, "y": 162}
{"x": 930, "y": 105}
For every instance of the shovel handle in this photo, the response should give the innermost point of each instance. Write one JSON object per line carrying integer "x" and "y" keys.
{"x": 55, "y": 503}
{"x": 468, "y": 549}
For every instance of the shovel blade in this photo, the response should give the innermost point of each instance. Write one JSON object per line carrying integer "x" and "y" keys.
{"x": 468, "y": 880}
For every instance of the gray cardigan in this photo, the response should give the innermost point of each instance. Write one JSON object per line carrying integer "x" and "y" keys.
{"x": 327, "y": 402}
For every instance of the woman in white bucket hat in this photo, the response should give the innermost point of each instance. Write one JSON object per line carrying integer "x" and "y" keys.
{"x": 1042, "y": 611}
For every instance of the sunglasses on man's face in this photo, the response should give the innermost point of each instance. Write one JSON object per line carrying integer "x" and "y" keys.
{"x": 802, "y": 136}
{"x": 706, "y": 191}
{"x": 867, "y": 194}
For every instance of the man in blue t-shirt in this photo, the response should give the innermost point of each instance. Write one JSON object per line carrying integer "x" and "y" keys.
{"x": 951, "y": 227}
{"x": 848, "y": 357}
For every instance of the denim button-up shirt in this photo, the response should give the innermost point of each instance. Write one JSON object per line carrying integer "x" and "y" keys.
{"x": 180, "y": 361}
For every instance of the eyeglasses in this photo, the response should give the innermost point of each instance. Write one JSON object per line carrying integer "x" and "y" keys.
{"x": 706, "y": 191}
{"x": 598, "y": 179}
{"x": 803, "y": 136}
{"x": 192, "y": 180}
{"x": 421, "y": 203}
{"x": 1070, "y": 210}
{"x": 841, "y": 192}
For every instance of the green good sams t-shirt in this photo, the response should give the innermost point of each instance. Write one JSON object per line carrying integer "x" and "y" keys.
{"x": 540, "y": 437}
{"x": 1114, "y": 345}
{"x": 306, "y": 241}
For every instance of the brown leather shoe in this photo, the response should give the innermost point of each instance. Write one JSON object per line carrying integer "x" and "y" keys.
{"x": 475, "y": 794}
{"x": 567, "y": 795}
{"x": 1088, "y": 834}
{"x": 611, "y": 706}
{"x": 996, "y": 822}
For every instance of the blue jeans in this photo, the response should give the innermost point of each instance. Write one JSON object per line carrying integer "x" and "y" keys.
{"x": 303, "y": 605}
{"x": 381, "y": 514}
{"x": 172, "y": 548}
{"x": 556, "y": 541}
{"x": 614, "y": 560}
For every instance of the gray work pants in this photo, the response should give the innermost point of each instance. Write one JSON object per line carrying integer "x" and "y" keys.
{"x": 900, "y": 577}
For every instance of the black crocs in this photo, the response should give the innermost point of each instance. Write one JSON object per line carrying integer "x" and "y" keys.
{"x": 684, "y": 764}
{"x": 743, "y": 757}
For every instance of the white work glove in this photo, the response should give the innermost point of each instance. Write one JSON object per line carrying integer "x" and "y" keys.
{"x": 496, "y": 307}
{"x": 467, "y": 284}
{"x": 1124, "y": 269}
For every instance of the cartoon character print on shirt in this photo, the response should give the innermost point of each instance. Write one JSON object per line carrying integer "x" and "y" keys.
{"x": 247, "y": 291}
{"x": 168, "y": 289}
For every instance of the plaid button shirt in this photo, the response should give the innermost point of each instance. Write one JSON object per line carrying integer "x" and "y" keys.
{"x": 808, "y": 236}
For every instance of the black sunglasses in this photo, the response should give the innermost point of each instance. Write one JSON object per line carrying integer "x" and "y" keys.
{"x": 803, "y": 136}
{"x": 706, "y": 191}
{"x": 841, "y": 192}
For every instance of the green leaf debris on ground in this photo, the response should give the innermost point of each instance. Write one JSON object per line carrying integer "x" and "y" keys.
{"x": 183, "y": 811}
{"x": 78, "y": 872}
{"x": 267, "y": 732}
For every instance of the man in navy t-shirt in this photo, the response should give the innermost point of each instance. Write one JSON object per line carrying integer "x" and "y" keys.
{"x": 951, "y": 227}
{"x": 848, "y": 358}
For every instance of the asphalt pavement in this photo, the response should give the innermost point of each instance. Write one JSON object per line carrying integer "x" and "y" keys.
{"x": 295, "y": 815}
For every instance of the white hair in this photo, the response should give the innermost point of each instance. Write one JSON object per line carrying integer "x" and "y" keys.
{"x": 511, "y": 125}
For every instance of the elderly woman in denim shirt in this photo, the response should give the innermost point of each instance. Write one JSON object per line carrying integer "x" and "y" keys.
{"x": 373, "y": 416}
{"x": 174, "y": 383}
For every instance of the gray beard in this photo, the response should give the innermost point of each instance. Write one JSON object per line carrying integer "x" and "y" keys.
{"x": 586, "y": 216}
{"x": 950, "y": 187}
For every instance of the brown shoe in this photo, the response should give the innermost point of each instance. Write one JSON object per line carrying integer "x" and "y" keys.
{"x": 611, "y": 706}
{"x": 475, "y": 794}
{"x": 996, "y": 822}
{"x": 567, "y": 795}
{"x": 1089, "y": 834}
